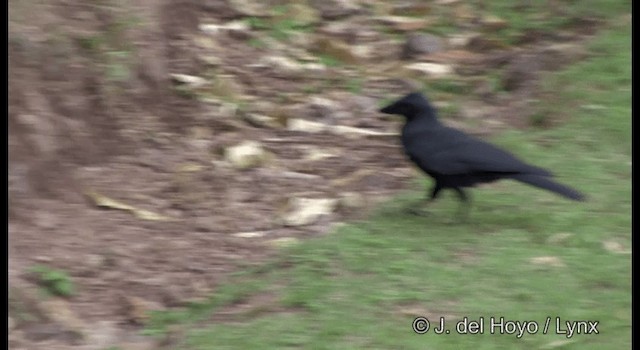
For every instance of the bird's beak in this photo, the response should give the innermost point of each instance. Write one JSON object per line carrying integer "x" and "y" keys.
{"x": 390, "y": 112}
{"x": 384, "y": 110}
{"x": 387, "y": 110}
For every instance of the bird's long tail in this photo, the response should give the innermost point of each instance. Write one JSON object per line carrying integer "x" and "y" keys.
{"x": 548, "y": 184}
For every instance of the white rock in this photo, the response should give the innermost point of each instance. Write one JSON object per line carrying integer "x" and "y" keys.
{"x": 246, "y": 155}
{"x": 191, "y": 80}
{"x": 251, "y": 234}
{"x": 305, "y": 125}
{"x": 315, "y": 67}
{"x": 461, "y": 40}
{"x": 430, "y": 69}
{"x": 314, "y": 154}
{"x": 233, "y": 26}
{"x": 283, "y": 242}
{"x": 305, "y": 211}
{"x": 260, "y": 120}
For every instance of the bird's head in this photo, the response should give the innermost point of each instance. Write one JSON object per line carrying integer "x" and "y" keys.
{"x": 412, "y": 105}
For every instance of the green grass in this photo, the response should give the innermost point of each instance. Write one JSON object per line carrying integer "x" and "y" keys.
{"x": 362, "y": 285}
{"x": 54, "y": 281}
{"x": 329, "y": 61}
{"x": 523, "y": 16}
{"x": 281, "y": 25}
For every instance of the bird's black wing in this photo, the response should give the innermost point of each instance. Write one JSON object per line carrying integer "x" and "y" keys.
{"x": 453, "y": 152}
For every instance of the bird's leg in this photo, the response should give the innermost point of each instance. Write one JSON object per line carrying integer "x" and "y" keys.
{"x": 420, "y": 208}
{"x": 465, "y": 205}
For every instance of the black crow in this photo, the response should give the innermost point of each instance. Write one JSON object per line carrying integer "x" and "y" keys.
{"x": 456, "y": 160}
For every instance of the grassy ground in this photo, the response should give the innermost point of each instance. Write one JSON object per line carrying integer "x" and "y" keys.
{"x": 524, "y": 255}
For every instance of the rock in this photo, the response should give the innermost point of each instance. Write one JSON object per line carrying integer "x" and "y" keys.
{"x": 191, "y": 81}
{"x": 315, "y": 68}
{"x": 430, "y": 69}
{"x": 297, "y": 124}
{"x": 251, "y": 234}
{"x": 299, "y": 176}
{"x": 283, "y": 66}
{"x": 314, "y": 154}
{"x": 305, "y": 211}
{"x": 43, "y": 259}
{"x": 248, "y": 154}
{"x": 419, "y": 44}
{"x": 262, "y": 121}
{"x": 493, "y": 23}
{"x": 238, "y": 29}
{"x": 321, "y": 107}
{"x": 219, "y": 110}
{"x": 403, "y": 24}
{"x": 363, "y": 52}
{"x": 287, "y": 68}
{"x": 283, "y": 242}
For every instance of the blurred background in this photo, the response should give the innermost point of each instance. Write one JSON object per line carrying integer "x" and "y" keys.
{"x": 215, "y": 174}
